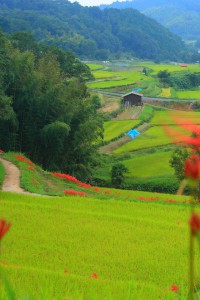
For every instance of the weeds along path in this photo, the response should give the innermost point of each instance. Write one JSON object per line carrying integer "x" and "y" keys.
{"x": 12, "y": 179}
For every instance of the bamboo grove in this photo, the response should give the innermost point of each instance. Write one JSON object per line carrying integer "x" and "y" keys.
{"x": 46, "y": 111}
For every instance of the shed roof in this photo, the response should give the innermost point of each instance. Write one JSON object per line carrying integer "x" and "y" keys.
{"x": 133, "y": 94}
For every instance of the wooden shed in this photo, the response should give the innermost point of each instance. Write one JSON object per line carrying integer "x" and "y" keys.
{"x": 131, "y": 99}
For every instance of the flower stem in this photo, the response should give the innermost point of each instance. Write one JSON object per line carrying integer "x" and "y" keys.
{"x": 191, "y": 271}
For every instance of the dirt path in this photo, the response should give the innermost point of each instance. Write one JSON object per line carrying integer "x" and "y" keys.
{"x": 12, "y": 179}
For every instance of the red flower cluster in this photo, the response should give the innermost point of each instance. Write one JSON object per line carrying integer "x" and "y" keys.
{"x": 31, "y": 168}
{"x": 192, "y": 167}
{"x": 75, "y": 193}
{"x": 22, "y": 158}
{"x": 4, "y": 227}
{"x": 95, "y": 276}
{"x": 96, "y": 189}
{"x": 107, "y": 192}
{"x": 1, "y": 151}
{"x": 71, "y": 178}
{"x": 148, "y": 199}
{"x": 194, "y": 223}
{"x": 174, "y": 288}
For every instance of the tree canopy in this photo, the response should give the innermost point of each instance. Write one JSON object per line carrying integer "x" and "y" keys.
{"x": 46, "y": 111}
{"x": 90, "y": 32}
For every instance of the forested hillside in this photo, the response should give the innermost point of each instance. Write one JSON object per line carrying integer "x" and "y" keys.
{"x": 181, "y": 16}
{"x": 46, "y": 111}
{"x": 89, "y": 31}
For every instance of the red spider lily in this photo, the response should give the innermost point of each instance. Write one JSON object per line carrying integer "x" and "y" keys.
{"x": 171, "y": 201}
{"x": 1, "y": 151}
{"x": 194, "y": 223}
{"x": 31, "y": 168}
{"x": 192, "y": 167}
{"x": 71, "y": 178}
{"x": 174, "y": 288}
{"x": 94, "y": 275}
{"x": 107, "y": 192}
{"x": 75, "y": 193}
{"x": 5, "y": 263}
{"x": 4, "y": 227}
{"x": 96, "y": 189}
{"x": 188, "y": 125}
{"x": 22, "y": 158}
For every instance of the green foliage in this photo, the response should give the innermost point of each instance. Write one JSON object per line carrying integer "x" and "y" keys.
{"x": 118, "y": 175}
{"x": 181, "y": 17}
{"x": 46, "y": 111}
{"x": 177, "y": 162}
{"x": 164, "y": 77}
{"x": 185, "y": 81}
{"x": 90, "y": 32}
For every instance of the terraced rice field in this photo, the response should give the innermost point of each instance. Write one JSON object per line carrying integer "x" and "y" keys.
{"x": 113, "y": 129}
{"x": 149, "y": 165}
{"x": 152, "y": 137}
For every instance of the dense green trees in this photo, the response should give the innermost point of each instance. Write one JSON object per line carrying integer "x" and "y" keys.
{"x": 88, "y": 31}
{"x": 46, "y": 111}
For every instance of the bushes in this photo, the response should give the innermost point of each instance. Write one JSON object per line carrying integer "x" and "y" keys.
{"x": 167, "y": 185}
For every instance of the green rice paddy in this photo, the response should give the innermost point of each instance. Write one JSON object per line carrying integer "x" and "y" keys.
{"x": 113, "y": 129}
{"x": 133, "y": 75}
{"x": 153, "y": 137}
{"x": 150, "y": 165}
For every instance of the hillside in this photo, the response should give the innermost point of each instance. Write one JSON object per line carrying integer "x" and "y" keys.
{"x": 91, "y": 32}
{"x": 182, "y": 17}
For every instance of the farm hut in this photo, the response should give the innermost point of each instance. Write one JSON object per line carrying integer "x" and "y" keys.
{"x": 131, "y": 99}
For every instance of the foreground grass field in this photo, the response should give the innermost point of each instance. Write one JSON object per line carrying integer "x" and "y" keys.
{"x": 75, "y": 248}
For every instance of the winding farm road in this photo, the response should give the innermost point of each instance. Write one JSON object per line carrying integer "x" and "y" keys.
{"x": 12, "y": 179}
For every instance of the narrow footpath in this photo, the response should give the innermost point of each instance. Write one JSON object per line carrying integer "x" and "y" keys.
{"x": 12, "y": 179}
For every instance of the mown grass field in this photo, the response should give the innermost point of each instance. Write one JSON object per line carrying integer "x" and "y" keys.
{"x": 56, "y": 245}
{"x": 113, "y": 129}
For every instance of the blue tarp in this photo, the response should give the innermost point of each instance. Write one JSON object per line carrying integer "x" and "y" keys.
{"x": 132, "y": 133}
{"x": 137, "y": 90}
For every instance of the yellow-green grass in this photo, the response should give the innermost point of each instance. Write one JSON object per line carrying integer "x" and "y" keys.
{"x": 122, "y": 78}
{"x": 166, "y": 93}
{"x": 188, "y": 94}
{"x": 101, "y": 74}
{"x": 113, "y": 129}
{"x": 171, "y": 68}
{"x": 94, "y": 66}
{"x": 169, "y": 117}
{"x": 154, "y": 136}
{"x": 145, "y": 244}
{"x": 150, "y": 165}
